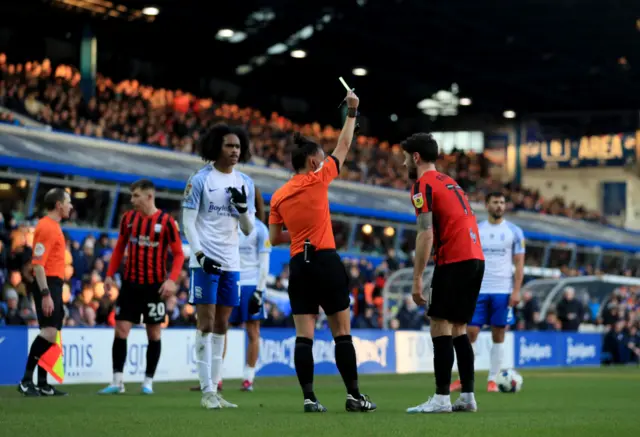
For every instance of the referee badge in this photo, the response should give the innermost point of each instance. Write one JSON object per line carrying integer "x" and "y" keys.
{"x": 418, "y": 201}
{"x": 38, "y": 250}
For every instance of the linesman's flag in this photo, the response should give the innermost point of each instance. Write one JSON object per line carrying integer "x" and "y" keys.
{"x": 52, "y": 360}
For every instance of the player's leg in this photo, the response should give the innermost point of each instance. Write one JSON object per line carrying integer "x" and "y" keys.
{"x": 499, "y": 320}
{"x": 253, "y": 349}
{"x": 481, "y": 317}
{"x": 128, "y": 312}
{"x": 228, "y": 297}
{"x": 440, "y": 311}
{"x": 153, "y": 316}
{"x": 203, "y": 294}
{"x": 49, "y": 327}
{"x": 471, "y": 273}
{"x": 304, "y": 307}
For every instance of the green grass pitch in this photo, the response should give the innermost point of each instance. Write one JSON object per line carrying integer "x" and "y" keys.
{"x": 563, "y": 403}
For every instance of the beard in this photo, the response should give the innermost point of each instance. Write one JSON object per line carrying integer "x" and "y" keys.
{"x": 497, "y": 214}
{"x": 413, "y": 173}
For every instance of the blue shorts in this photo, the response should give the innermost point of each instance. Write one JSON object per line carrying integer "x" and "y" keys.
{"x": 493, "y": 310}
{"x": 205, "y": 289}
{"x": 240, "y": 314}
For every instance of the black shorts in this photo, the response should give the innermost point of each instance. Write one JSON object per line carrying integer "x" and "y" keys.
{"x": 137, "y": 300}
{"x": 323, "y": 282}
{"x": 57, "y": 316}
{"x": 454, "y": 290}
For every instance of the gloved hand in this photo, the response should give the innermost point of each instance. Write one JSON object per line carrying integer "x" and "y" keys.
{"x": 238, "y": 199}
{"x": 208, "y": 265}
{"x": 255, "y": 303}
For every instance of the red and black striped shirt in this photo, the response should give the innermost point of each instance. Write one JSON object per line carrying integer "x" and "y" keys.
{"x": 147, "y": 240}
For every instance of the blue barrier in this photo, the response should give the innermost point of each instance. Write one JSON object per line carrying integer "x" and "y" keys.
{"x": 376, "y": 352}
{"x": 14, "y": 347}
{"x": 88, "y": 353}
{"x": 557, "y": 349}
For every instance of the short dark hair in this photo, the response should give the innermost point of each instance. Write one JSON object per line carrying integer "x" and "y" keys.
{"x": 211, "y": 142}
{"x": 423, "y": 144}
{"x": 493, "y": 194}
{"x": 301, "y": 150}
{"x": 143, "y": 184}
{"x": 52, "y": 197}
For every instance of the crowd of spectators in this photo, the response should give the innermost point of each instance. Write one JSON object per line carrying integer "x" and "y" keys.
{"x": 138, "y": 114}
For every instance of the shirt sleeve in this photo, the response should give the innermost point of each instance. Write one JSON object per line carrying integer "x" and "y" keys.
{"x": 421, "y": 197}
{"x": 43, "y": 242}
{"x": 329, "y": 171}
{"x": 518, "y": 241}
{"x": 193, "y": 192}
{"x": 264, "y": 246}
{"x": 274, "y": 217}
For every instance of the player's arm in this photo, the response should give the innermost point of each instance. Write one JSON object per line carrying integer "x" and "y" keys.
{"x": 518, "y": 262}
{"x": 277, "y": 234}
{"x": 424, "y": 243}
{"x": 121, "y": 245}
{"x": 346, "y": 134}
{"x": 264, "y": 257}
{"x": 42, "y": 245}
{"x": 175, "y": 245}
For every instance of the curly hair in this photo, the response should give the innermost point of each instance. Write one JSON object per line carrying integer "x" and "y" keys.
{"x": 212, "y": 141}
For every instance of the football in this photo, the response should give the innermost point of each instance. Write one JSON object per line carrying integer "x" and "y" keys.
{"x": 509, "y": 381}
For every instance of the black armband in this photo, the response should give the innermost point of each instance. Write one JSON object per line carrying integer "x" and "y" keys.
{"x": 352, "y": 112}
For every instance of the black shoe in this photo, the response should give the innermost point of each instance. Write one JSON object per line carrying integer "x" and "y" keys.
{"x": 360, "y": 405}
{"x": 28, "y": 389}
{"x": 313, "y": 407}
{"x": 49, "y": 390}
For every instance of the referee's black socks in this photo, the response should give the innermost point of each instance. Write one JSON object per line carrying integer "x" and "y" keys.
{"x": 443, "y": 362}
{"x": 466, "y": 369}
{"x": 39, "y": 347}
{"x": 347, "y": 364}
{"x": 303, "y": 360}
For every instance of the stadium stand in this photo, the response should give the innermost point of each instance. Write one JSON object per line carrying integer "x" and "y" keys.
{"x": 138, "y": 114}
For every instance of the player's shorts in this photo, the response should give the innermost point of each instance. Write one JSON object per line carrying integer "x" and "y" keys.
{"x": 323, "y": 282}
{"x": 136, "y": 301}
{"x": 493, "y": 310}
{"x": 454, "y": 290}
{"x": 240, "y": 314}
{"x": 205, "y": 289}
{"x": 56, "y": 318}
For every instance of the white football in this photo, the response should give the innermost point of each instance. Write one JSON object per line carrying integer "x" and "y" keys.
{"x": 509, "y": 381}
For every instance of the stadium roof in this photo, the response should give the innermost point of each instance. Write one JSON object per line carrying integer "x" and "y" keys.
{"x": 536, "y": 56}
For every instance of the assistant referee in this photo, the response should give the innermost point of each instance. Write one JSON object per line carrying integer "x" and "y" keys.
{"x": 48, "y": 267}
{"x": 317, "y": 275}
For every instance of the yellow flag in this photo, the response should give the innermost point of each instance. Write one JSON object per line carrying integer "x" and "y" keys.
{"x": 52, "y": 360}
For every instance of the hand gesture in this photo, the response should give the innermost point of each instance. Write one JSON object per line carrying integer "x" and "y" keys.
{"x": 416, "y": 292}
{"x": 255, "y": 303}
{"x": 47, "y": 305}
{"x": 514, "y": 300}
{"x": 352, "y": 100}
{"x": 239, "y": 199}
{"x": 208, "y": 265}
{"x": 168, "y": 288}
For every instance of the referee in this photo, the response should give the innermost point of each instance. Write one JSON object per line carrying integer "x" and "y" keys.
{"x": 48, "y": 268}
{"x": 317, "y": 275}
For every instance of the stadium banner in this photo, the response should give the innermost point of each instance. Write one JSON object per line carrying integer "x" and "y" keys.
{"x": 614, "y": 150}
{"x": 414, "y": 351}
{"x": 375, "y": 350}
{"x": 14, "y": 348}
{"x": 557, "y": 349}
{"x": 87, "y": 355}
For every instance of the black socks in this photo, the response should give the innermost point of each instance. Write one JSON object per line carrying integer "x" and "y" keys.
{"x": 466, "y": 369}
{"x": 39, "y": 347}
{"x": 347, "y": 364}
{"x": 443, "y": 362}
{"x": 303, "y": 360}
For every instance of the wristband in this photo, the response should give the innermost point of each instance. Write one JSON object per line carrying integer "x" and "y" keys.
{"x": 44, "y": 292}
{"x": 352, "y": 112}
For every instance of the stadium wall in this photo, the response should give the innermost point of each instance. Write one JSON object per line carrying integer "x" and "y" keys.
{"x": 87, "y": 353}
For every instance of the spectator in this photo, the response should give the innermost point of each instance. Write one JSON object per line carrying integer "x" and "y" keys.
{"x": 570, "y": 311}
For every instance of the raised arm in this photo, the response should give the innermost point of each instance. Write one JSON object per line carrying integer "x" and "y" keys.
{"x": 346, "y": 135}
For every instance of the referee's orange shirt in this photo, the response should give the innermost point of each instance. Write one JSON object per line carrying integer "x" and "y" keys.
{"x": 49, "y": 247}
{"x": 302, "y": 205}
